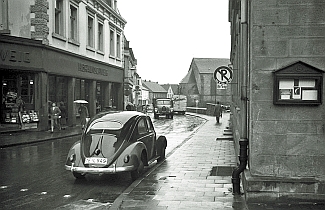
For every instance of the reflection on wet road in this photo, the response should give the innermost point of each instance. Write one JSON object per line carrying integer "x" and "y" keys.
{"x": 177, "y": 130}
{"x": 33, "y": 176}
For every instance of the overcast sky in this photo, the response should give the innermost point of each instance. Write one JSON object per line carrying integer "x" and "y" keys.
{"x": 166, "y": 35}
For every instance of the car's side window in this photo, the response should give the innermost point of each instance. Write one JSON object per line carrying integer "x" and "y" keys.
{"x": 150, "y": 126}
{"x": 142, "y": 127}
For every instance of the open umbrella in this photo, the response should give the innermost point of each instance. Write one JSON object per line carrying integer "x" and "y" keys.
{"x": 80, "y": 101}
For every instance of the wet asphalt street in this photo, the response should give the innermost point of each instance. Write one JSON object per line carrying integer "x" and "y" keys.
{"x": 33, "y": 175}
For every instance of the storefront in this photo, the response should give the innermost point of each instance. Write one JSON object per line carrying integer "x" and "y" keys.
{"x": 34, "y": 75}
{"x": 17, "y": 93}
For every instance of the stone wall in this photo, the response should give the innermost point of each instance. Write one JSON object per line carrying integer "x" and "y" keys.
{"x": 286, "y": 142}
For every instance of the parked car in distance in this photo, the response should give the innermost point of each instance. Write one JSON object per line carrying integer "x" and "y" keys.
{"x": 163, "y": 106}
{"x": 114, "y": 142}
{"x": 149, "y": 108}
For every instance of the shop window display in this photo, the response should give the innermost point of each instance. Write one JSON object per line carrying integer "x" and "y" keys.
{"x": 17, "y": 101}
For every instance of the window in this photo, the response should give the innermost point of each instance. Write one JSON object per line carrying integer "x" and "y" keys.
{"x": 150, "y": 125}
{"x": 27, "y": 88}
{"x": 58, "y": 19}
{"x": 4, "y": 15}
{"x": 90, "y": 33}
{"x": 73, "y": 23}
{"x": 142, "y": 128}
{"x": 298, "y": 90}
{"x": 100, "y": 36}
{"x": 108, "y": 2}
{"x": 118, "y": 45}
{"x": 111, "y": 43}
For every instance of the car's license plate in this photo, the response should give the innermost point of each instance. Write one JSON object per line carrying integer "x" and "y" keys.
{"x": 96, "y": 161}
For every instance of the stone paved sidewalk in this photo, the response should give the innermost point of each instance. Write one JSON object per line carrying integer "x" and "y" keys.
{"x": 185, "y": 179}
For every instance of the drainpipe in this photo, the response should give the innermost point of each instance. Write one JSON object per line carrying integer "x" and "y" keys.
{"x": 243, "y": 142}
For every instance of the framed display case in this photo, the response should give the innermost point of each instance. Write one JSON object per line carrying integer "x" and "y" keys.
{"x": 298, "y": 83}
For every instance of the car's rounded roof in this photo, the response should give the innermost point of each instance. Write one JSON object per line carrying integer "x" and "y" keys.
{"x": 121, "y": 116}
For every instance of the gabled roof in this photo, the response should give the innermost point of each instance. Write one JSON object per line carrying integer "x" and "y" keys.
{"x": 165, "y": 86}
{"x": 209, "y": 65}
{"x": 144, "y": 88}
{"x": 154, "y": 87}
{"x": 299, "y": 67}
{"x": 173, "y": 86}
{"x": 188, "y": 78}
{"x": 204, "y": 66}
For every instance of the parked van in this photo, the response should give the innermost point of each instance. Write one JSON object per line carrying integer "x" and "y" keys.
{"x": 180, "y": 104}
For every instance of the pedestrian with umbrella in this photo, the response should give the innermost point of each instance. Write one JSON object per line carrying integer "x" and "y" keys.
{"x": 83, "y": 111}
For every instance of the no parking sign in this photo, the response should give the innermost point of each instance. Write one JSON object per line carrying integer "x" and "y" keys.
{"x": 223, "y": 74}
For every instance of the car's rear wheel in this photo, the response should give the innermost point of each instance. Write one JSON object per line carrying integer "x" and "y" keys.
{"x": 136, "y": 173}
{"x": 78, "y": 175}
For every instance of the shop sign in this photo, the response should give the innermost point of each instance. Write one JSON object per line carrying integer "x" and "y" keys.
{"x": 14, "y": 56}
{"x": 92, "y": 69}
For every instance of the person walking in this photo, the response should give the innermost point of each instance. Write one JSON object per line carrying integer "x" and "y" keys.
{"x": 83, "y": 111}
{"x": 217, "y": 111}
{"x": 55, "y": 113}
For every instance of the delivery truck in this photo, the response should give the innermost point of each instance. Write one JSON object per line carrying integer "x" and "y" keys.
{"x": 180, "y": 104}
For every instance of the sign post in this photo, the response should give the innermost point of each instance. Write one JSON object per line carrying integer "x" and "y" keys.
{"x": 222, "y": 75}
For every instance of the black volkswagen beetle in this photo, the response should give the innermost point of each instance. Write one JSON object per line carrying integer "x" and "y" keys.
{"x": 114, "y": 142}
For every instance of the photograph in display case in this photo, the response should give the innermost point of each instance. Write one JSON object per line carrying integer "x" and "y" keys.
{"x": 298, "y": 89}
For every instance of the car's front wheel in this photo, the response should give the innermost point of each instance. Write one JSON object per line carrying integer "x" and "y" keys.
{"x": 136, "y": 173}
{"x": 78, "y": 175}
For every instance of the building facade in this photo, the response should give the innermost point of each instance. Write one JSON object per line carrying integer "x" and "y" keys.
{"x": 131, "y": 76}
{"x": 60, "y": 51}
{"x": 199, "y": 84}
{"x": 155, "y": 90}
{"x": 278, "y": 58}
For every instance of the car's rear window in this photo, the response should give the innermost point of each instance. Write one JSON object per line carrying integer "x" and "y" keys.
{"x": 163, "y": 102}
{"x": 111, "y": 125}
{"x": 103, "y": 134}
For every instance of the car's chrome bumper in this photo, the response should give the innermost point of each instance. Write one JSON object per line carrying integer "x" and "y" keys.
{"x": 94, "y": 170}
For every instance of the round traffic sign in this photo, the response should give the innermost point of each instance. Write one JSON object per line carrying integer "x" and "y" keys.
{"x": 223, "y": 74}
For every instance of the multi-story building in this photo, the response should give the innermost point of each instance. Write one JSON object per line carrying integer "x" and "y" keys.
{"x": 130, "y": 74}
{"x": 278, "y": 57}
{"x": 60, "y": 51}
